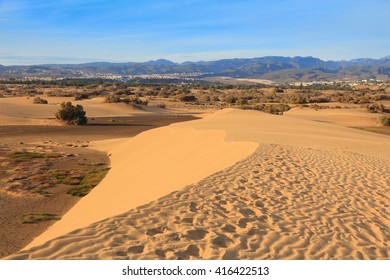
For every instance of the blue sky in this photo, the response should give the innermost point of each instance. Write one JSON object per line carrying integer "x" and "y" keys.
{"x": 75, "y": 31}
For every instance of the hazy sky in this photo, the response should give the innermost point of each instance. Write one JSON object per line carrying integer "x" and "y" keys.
{"x": 74, "y": 31}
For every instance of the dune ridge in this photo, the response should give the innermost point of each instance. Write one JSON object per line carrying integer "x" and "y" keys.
{"x": 148, "y": 166}
{"x": 309, "y": 191}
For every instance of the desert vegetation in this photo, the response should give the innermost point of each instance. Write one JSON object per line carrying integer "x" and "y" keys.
{"x": 133, "y": 100}
{"x": 268, "y": 98}
{"x": 377, "y": 108}
{"x": 30, "y": 171}
{"x": 44, "y": 174}
{"x": 71, "y": 114}
{"x": 385, "y": 120}
{"x": 34, "y": 218}
{"x": 40, "y": 100}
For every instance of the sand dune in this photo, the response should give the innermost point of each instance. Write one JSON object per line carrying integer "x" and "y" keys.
{"x": 22, "y": 108}
{"x": 355, "y": 117}
{"x": 22, "y": 111}
{"x": 149, "y": 166}
{"x": 311, "y": 190}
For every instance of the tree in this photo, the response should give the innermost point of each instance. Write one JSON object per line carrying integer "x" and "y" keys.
{"x": 72, "y": 114}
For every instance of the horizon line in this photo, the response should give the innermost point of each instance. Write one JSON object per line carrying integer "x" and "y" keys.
{"x": 173, "y": 61}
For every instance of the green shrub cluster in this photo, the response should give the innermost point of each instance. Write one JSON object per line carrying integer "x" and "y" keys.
{"x": 385, "y": 120}
{"x": 377, "y": 108}
{"x": 275, "y": 109}
{"x": 39, "y": 100}
{"x": 72, "y": 114}
{"x": 81, "y": 96}
{"x": 134, "y": 100}
{"x": 188, "y": 98}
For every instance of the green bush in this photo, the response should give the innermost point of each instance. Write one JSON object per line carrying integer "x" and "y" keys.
{"x": 241, "y": 101}
{"x": 385, "y": 120}
{"x": 188, "y": 98}
{"x": 112, "y": 99}
{"x": 275, "y": 109}
{"x": 134, "y": 100}
{"x": 39, "y": 100}
{"x": 72, "y": 114}
{"x": 377, "y": 108}
{"x": 231, "y": 99}
{"x": 81, "y": 96}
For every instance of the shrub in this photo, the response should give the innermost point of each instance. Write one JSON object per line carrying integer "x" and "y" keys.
{"x": 112, "y": 99}
{"x": 39, "y": 100}
{"x": 297, "y": 99}
{"x": 72, "y": 114}
{"x": 377, "y": 108}
{"x": 230, "y": 99}
{"x": 188, "y": 98}
{"x": 134, "y": 100}
{"x": 81, "y": 96}
{"x": 319, "y": 99}
{"x": 385, "y": 120}
{"x": 241, "y": 101}
{"x": 275, "y": 109}
{"x": 138, "y": 101}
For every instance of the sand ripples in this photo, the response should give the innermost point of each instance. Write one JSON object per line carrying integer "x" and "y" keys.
{"x": 282, "y": 202}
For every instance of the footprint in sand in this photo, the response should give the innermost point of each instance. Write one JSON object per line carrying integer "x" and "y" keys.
{"x": 154, "y": 231}
{"x": 229, "y": 228}
{"x": 221, "y": 241}
{"x": 196, "y": 234}
{"x": 136, "y": 249}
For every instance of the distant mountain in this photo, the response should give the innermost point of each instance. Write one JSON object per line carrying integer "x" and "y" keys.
{"x": 277, "y": 68}
{"x": 2, "y": 68}
{"x": 160, "y": 62}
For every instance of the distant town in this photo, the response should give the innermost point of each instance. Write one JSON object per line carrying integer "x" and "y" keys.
{"x": 266, "y": 70}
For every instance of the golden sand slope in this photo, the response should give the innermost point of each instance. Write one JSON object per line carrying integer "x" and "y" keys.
{"x": 148, "y": 166}
{"x": 310, "y": 191}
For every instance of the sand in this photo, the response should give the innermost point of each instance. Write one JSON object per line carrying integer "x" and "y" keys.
{"x": 22, "y": 111}
{"x": 234, "y": 185}
{"x": 72, "y": 143}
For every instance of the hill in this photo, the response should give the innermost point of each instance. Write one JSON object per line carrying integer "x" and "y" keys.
{"x": 276, "y": 68}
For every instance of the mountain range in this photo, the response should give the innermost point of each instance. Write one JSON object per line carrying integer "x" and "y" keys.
{"x": 276, "y": 68}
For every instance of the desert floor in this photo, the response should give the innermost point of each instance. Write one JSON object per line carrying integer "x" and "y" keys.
{"x": 30, "y": 127}
{"x": 235, "y": 185}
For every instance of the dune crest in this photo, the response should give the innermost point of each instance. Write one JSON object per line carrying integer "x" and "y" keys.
{"x": 148, "y": 166}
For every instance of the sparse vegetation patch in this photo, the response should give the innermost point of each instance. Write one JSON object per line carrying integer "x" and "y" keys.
{"x": 37, "y": 218}
{"x": 88, "y": 182}
{"x": 20, "y": 156}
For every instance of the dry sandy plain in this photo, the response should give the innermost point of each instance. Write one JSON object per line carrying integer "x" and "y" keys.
{"x": 232, "y": 185}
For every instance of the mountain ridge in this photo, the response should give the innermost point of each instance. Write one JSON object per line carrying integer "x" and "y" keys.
{"x": 282, "y": 68}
